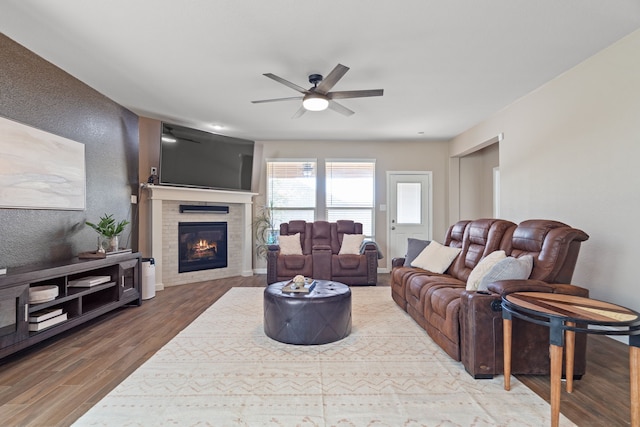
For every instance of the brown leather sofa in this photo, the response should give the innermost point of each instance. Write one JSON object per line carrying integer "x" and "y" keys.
{"x": 468, "y": 324}
{"x": 320, "y": 259}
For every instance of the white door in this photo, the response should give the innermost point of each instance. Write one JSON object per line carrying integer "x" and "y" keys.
{"x": 409, "y": 210}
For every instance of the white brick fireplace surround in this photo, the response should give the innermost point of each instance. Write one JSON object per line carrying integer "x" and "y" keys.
{"x": 165, "y": 216}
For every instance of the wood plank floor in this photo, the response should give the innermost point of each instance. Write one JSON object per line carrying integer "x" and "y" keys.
{"x": 54, "y": 383}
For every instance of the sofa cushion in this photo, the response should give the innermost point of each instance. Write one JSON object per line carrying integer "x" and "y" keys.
{"x": 351, "y": 244}
{"x": 349, "y": 262}
{"x": 483, "y": 267}
{"x": 295, "y": 262}
{"x": 290, "y": 245}
{"x": 509, "y": 268}
{"x": 414, "y": 247}
{"x": 436, "y": 257}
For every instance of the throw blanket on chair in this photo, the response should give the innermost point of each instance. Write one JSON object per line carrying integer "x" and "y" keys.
{"x": 364, "y": 244}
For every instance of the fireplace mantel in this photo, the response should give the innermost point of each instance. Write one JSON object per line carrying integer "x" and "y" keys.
{"x": 190, "y": 194}
{"x": 160, "y": 193}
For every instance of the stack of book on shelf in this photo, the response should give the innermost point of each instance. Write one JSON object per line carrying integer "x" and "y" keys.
{"x": 43, "y": 319}
{"x": 89, "y": 281}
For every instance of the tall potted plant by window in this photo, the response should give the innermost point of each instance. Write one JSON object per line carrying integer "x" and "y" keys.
{"x": 264, "y": 229}
{"x": 108, "y": 231}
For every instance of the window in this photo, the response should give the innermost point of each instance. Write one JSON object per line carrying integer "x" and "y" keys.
{"x": 409, "y": 203}
{"x": 291, "y": 190}
{"x": 350, "y": 191}
{"x": 294, "y": 193}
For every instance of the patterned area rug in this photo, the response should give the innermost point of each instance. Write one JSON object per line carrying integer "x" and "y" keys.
{"x": 222, "y": 370}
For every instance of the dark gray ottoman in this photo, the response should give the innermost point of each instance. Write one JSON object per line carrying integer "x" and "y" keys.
{"x": 319, "y": 317}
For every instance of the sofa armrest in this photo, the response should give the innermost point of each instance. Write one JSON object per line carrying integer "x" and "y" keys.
{"x": 481, "y": 330}
{"x": 571, "y": 290}
{"x": 397, "y": 262}
{"x": 272, "y": 263}
{"x": 370, "y": 246}
{"x": 503, "y": 287}
{"x": 371, "y": 254}
{"x": 481, "y": 346}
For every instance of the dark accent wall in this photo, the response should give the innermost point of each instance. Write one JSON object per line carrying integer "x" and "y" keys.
{"x": 39, "y": 94}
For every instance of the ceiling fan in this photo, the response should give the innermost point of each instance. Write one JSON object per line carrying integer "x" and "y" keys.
{"x": 319, "y": 97}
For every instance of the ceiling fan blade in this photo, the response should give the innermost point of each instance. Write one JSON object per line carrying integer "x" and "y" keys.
{"x": 286, "y": 83}
{"x": 291, "y": 98}
{"x": 299, "y": 113}
{"x": 330, "y": 81}
{"x": 344, "y": 94}
{"x": 340, "y": 108}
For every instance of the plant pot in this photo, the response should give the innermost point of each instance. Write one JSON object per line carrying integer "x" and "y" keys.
{"x": 107, "y": 244}
{"x": 272, "y": 237}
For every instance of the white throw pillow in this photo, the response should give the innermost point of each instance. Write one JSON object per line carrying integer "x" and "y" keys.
{"x": 509, "y": 268}
{"x": 482, "y": 268}
{"x": 351, "y": 244}
{"x": 290, "y": 245}
{"x": 436, "y": 257}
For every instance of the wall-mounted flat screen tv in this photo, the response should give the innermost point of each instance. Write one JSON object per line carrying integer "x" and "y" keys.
{"x": 195, "y": 158}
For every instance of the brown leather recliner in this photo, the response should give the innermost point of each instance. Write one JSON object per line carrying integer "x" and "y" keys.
{"x": 320, "y": 259}
{"x": 468, "y": 324}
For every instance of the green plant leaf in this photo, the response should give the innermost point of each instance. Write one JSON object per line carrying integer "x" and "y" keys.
{"x": 107, "y": 226}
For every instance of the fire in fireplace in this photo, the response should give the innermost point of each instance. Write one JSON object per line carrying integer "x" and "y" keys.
{"x": 202, "y": 246}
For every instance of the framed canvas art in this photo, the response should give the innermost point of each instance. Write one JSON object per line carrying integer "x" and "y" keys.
{"x": 40, "y": 170}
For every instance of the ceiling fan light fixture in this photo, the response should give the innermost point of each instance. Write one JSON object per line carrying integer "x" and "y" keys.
{"x": 315, "y": 102}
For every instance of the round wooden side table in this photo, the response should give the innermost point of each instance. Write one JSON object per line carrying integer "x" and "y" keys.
{"x": 562, "y": 314}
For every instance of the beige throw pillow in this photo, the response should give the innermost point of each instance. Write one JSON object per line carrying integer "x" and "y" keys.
{"x": 482, "y": 268}
{"x": 436, "y": 257}
{"x": 290, "y": 245}
{"x": 351, "y": 244}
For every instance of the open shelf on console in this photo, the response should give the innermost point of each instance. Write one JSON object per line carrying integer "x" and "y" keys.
{"x": 78, "y": 304}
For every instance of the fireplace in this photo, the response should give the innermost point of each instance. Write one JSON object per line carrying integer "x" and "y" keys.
{"x": 202, "y": 246}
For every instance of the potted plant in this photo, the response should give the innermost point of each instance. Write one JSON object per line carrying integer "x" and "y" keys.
{"x": 265, "y": 232}
{"x": 109, "y": 231}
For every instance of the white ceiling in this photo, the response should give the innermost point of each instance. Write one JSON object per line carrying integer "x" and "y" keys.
{"x": 444, "y": 65}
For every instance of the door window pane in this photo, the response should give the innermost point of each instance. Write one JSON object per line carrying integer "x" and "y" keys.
{"x": 409, "y": 202}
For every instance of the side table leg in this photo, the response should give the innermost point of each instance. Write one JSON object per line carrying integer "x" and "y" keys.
{"x": 570, "y": 349}
{"x": 634, "y": 377}
{"x": 506, "y": 338}
{"x": 556, "y": 383}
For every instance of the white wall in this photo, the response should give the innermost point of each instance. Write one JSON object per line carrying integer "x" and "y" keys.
{"x": 390, "y": 156}
{"x": 570, "y": 153}
{"x": 476, "y": 182}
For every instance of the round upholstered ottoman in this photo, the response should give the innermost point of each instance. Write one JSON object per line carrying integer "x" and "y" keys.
{"x": 318, "y": 317}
